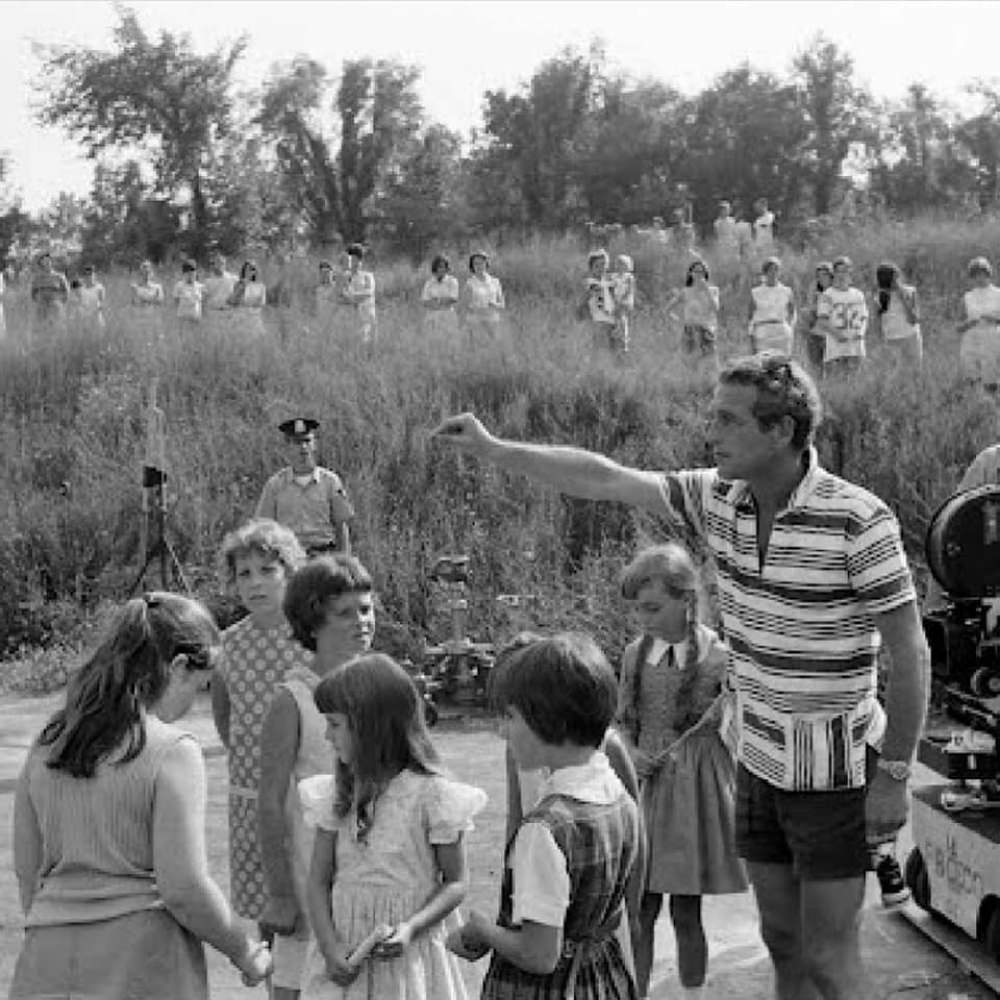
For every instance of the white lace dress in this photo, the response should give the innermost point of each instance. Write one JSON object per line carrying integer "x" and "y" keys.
{"x": 387, "y": 878}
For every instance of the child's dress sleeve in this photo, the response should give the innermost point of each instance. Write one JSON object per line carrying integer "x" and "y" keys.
{"x": 449, "y": 808}
{"x": 316, "y": 795}
{"x": 541, "y": 880}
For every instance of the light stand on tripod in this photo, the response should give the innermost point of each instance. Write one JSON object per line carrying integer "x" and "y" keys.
{"x": 154, "y": 502}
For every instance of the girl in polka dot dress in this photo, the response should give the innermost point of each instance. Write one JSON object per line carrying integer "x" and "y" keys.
{"x": 257, "y": 653}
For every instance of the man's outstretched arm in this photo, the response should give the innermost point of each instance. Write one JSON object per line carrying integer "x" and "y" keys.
{"x": 572, "y": 471}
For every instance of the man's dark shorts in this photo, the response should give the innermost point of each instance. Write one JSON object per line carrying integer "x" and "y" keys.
{"x": 820, "y": 834}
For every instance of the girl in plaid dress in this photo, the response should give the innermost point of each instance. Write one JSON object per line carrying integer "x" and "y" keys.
{"x": 567, "y": 868}
{"x": 257, "y": 653}
{"x": 676, "y": 721}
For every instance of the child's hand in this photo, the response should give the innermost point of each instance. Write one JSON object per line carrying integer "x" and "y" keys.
{"x": 280, "y": 916}
{"x": 339, "y": 969}
{"x": 396, "y": 943}
{"x": 465, "y": 943}
{"x": 256, "y": 965}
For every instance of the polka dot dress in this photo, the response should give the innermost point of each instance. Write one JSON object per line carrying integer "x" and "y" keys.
{"x": 254, "y": 662}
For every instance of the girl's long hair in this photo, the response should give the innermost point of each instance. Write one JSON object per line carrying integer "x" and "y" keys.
{"x": 885, "y": 275}
{"x": 386, "y": 720}
{"x": 126, "y": 674}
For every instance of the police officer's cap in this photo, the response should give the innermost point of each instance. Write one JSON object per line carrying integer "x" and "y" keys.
{"x": 298, "y": 427}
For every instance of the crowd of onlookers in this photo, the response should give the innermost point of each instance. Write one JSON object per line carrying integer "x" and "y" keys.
{"x": 828, "y": 325}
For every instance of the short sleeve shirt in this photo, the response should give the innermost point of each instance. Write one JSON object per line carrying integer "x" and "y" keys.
{"x": 313, "y": 511}
{"x": 847, "y": 312}
{"x": 800, "y": 625}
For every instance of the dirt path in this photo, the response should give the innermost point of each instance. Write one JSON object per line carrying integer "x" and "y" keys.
{"x": 903, "y": 963}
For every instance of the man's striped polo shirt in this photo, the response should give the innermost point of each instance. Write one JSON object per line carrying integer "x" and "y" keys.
{"x": 800, "y": 627}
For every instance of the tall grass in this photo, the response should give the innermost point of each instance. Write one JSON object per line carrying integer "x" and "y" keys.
{"x": 72, "y": 432}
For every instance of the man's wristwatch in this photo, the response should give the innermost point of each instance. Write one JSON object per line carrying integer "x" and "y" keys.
{"x": 898, "y": 770}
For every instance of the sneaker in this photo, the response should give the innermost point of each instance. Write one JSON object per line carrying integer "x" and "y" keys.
{"x": 890, "y": 880}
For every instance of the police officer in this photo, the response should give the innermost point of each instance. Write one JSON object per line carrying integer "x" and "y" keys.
{"x": 306, "y": 497}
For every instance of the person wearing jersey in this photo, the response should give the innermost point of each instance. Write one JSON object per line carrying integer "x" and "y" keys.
{"x": 842, "y": 316}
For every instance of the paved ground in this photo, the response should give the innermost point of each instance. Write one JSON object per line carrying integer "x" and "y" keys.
{"x": 903, "y": 963}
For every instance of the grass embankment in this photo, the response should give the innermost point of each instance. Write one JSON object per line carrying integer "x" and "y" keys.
{"x": 72, "y": 435}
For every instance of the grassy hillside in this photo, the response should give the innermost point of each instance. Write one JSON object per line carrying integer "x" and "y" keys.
{"x": 72, "y": 433}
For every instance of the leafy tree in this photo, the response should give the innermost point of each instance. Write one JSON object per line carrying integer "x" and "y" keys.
{"x": 836, "y": 110}
{"x": 156, "y": 95}
{"x": 539, "y": 134}
{"x": 419, "y": 203}
{"x": 980, "y": 134}
{"x": 634, "y": 143}
{"x": 745, "y": 138}
{"x": 332, "y": 171}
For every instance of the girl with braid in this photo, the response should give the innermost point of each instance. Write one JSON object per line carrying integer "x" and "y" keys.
{"x": 676, "y": 719}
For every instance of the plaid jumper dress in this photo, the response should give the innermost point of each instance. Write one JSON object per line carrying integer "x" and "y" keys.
{"x": 600, "y": 844}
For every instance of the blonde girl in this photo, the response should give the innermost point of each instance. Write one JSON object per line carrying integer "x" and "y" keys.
{"x": 388, "y": 866}
{"x": 674, "y": 717}
{"x": 257, "y": 652}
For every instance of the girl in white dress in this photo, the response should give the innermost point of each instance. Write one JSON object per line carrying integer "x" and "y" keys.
{"x": 979, "y": 352}
{"x": 388, "y": 866}
{"x": 188, "y": 295}
{"x": 772, "y": 311}
{"x": 483, "y": 296}
{"x": 359, "y": 292}
{"x": 90, "y": 300}
{"x": 248, "y": 300}
{"x": 439, "y": 298}
{"x": 899, "y": 317}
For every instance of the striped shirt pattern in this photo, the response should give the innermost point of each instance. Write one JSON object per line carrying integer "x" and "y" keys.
{"x": 801, "y": 624}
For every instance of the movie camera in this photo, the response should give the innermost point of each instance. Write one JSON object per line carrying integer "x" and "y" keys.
{"x": 954, "y": 867}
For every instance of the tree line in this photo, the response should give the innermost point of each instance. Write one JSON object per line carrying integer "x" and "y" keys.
{"x": 309, "y": 157}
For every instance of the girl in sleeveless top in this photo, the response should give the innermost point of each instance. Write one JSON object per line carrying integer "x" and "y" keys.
{"x": 677, "y": 721}
{"x": 329, "y": 605}
{"x": 567, "y": 869}
{"x": 109, "y": 824}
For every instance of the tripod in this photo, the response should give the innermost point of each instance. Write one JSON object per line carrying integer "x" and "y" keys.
{"x": 155, "y": 515}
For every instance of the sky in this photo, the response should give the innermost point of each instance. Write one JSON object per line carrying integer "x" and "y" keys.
{"x": 466, "y": 47}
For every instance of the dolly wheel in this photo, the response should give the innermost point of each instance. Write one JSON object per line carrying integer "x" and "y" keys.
{"x": 985, "y": 683}
{"x": 916, "y": 877}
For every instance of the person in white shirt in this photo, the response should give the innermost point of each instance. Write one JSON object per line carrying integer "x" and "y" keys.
{"x": 701, "y": 306}
{"x": 359, "y": 292}
{"x": 90, "y": 300}
{"x": 327, "y": 296}
{"x": 726, "y": 236}
{"x": 763, "y": 227}
{"x": 842, "y": 315}
{"x": 248, "y": 298}
{"x": 484, "y": 299}
{"x": 599, "y": 305}
{"x": 217, "y": 291}
{"x": 439, "y": 298}
{"x": 898, "y": 315}
{"x": 772, "y": 311}
{"x": 623, "y": 290}
{"x": 979, "y": 353}
{"x": 146, "y": 292}
{"x": 188, "y": 294}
